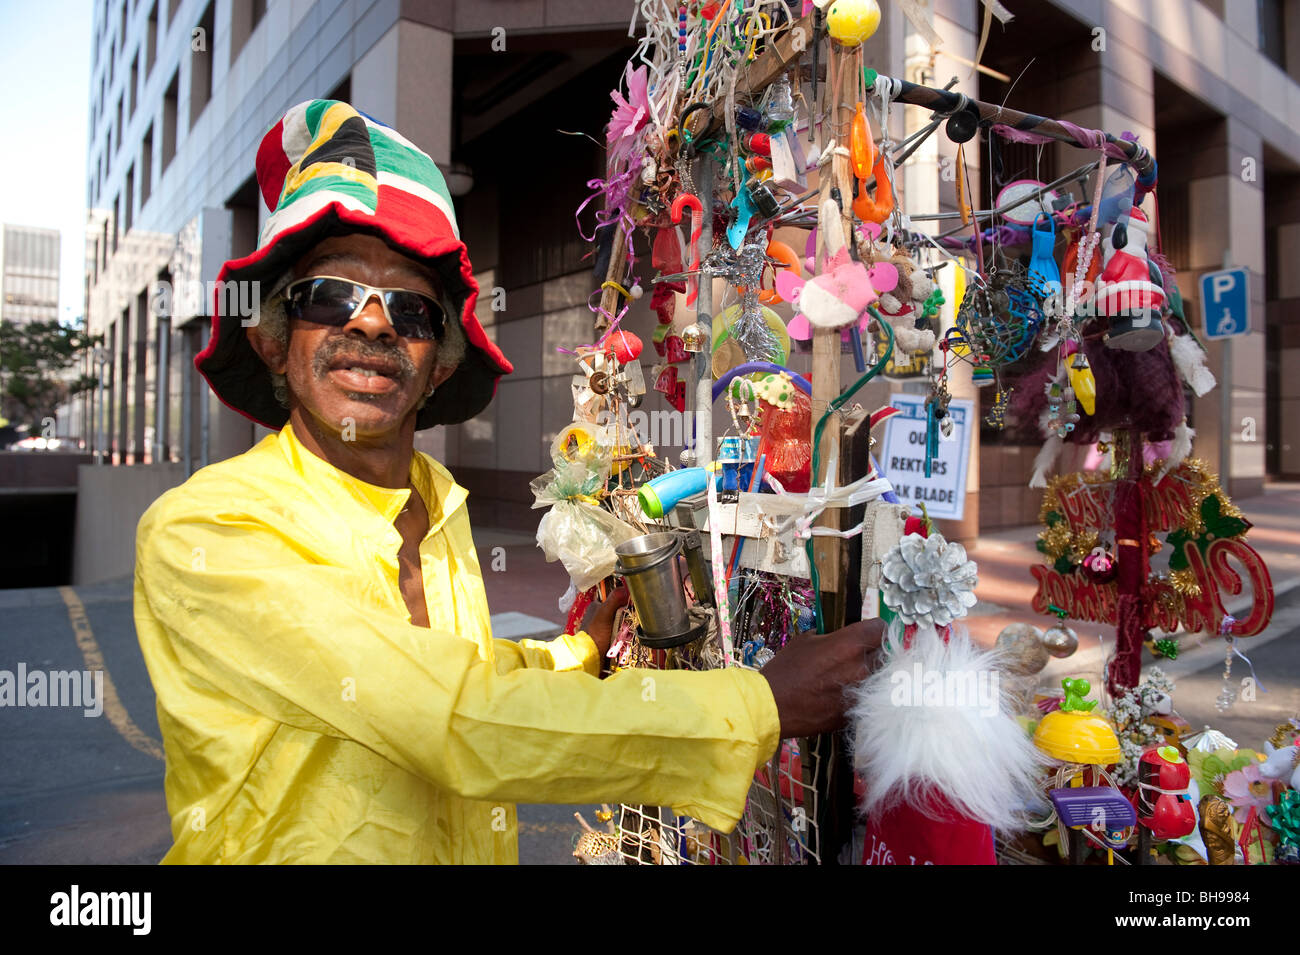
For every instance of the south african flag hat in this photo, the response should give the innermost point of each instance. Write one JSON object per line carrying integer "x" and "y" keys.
{"x": 326, "y": 169}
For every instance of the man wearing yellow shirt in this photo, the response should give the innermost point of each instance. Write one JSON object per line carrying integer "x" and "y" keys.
{"x": 312, "y": 612}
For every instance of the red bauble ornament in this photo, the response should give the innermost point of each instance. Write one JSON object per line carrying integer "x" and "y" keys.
{"x": 625, "y": 346}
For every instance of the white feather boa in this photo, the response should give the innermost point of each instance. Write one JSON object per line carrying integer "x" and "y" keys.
{"x": 977, "y": 755}
{"x": 1045, "y": 458}
{"x": 1048, "y": 453}
{"x": 1190, "y": 360}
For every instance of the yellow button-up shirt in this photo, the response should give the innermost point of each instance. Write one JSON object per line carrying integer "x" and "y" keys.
{"x": 306, "y": 719}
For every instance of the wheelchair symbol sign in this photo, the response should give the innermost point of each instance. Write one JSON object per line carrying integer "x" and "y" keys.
{"x": 1225, "y": 303}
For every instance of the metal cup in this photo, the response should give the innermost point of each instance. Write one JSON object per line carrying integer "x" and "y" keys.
{"x": 654, "y": 581}
{"x": 646, "y": 550}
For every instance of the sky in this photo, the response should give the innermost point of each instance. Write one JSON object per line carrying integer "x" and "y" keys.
{"x": 45, "y": 78}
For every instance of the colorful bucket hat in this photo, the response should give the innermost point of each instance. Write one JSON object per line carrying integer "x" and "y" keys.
{"x": 326, "y": 169}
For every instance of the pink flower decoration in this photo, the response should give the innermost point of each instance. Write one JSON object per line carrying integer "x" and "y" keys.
{"x": 630, "y": 114}
{"x": 1244, "y": 788}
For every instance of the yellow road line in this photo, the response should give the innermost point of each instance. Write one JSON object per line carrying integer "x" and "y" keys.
{"x": 90, "y": 652}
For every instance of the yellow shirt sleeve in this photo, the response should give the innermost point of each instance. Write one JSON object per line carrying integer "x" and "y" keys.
{"x": 310, "y": 645}
{"x": 571, "y": 651}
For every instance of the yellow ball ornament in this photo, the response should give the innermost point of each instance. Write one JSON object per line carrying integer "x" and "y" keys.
{"x": 852, "y": 21}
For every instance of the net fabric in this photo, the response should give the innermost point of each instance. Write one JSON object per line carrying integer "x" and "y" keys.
{"x": 779, "y": 825}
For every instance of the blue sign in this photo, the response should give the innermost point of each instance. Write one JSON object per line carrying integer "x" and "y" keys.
{"x": 1225, "y": 303}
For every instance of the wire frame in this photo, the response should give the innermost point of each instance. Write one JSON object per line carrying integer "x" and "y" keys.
{"x": 1000, "y": 320}
{"x": 779, "y": 825}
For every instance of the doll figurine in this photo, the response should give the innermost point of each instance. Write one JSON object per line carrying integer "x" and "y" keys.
{"x": 1128, "y": 291}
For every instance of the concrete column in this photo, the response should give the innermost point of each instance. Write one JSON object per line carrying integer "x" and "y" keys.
{"x": 1283, "y": 316}
{"x": 929, "y": 189}
{"x": 1227, "y": 229}
{"x": 406, "y": 80}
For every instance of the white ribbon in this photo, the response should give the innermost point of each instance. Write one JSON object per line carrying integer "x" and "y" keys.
{"x": 916, "y": 15}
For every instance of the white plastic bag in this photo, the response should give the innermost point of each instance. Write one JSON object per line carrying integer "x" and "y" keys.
{"x": 583, "y": 538}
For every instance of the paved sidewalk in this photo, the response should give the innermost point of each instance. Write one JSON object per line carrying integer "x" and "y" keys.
{"x": 518, "y": 579}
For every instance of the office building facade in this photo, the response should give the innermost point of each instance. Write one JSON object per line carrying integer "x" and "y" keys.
{"x": 29, "y": 274}
{"x": 182, "y": 91}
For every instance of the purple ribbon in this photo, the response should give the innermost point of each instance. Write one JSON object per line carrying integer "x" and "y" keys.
{"x": 616, "y": 192}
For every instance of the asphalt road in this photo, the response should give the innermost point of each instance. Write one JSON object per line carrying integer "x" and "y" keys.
{"x": 79, "y": 789}
{"x": 74, "y": 788}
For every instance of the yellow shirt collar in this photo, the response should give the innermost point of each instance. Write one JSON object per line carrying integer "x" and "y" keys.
{"x": 442, "y": 495}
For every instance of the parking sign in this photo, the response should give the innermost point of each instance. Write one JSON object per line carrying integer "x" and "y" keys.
{"x": 1225, "y": 303}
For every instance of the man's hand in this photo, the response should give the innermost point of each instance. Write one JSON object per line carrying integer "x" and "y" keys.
{"x": 599, "y": 620}
{"x": 809, "y": 676}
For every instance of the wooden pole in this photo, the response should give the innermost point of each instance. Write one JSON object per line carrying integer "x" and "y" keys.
{"x": 775, "y": 60}
{"x": 828, "y": 552}
{"x": 616, "y": 272}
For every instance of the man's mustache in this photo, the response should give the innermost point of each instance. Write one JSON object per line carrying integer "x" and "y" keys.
{"x": 362, "y": 348}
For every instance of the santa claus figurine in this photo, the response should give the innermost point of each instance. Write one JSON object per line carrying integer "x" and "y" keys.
{"x": 1129, "y": 293}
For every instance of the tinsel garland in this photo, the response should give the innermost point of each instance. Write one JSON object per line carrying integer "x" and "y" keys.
{"x": 1285, "y": 817}
{"x": 1066, "y": 548}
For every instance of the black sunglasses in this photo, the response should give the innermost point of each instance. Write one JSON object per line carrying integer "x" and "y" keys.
{"x": 329, "y": 300}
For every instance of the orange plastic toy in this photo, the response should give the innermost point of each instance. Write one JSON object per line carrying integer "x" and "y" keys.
{"x": 882, "y": 206}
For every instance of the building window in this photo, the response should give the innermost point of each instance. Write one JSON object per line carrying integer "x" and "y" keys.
{"x": 123, "y": 382}
{"x": 129, "y": 210}
{"x": 245, "y": 15}
{"x": 135, "y": 84}
{"x": 121, "y": 36}
{"x": 342, "y": 92}
{"x": 117, "y": 129}
{"x": 146, "y": 167}
{"x": 169, "y": 121}
{"x": 151, "y": 41}
{"x": 243, "y": 227}
{"x": 201, "y": 65}
{"x": 162, "y": 381}
{"x": 1272, "y": 30}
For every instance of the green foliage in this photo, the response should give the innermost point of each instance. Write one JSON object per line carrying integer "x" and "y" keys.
{"x": 1217, "y": 524}
{"x": 35, "y": 358}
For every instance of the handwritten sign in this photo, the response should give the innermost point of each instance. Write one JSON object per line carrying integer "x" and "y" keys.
{"x": 903, "y": 459}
